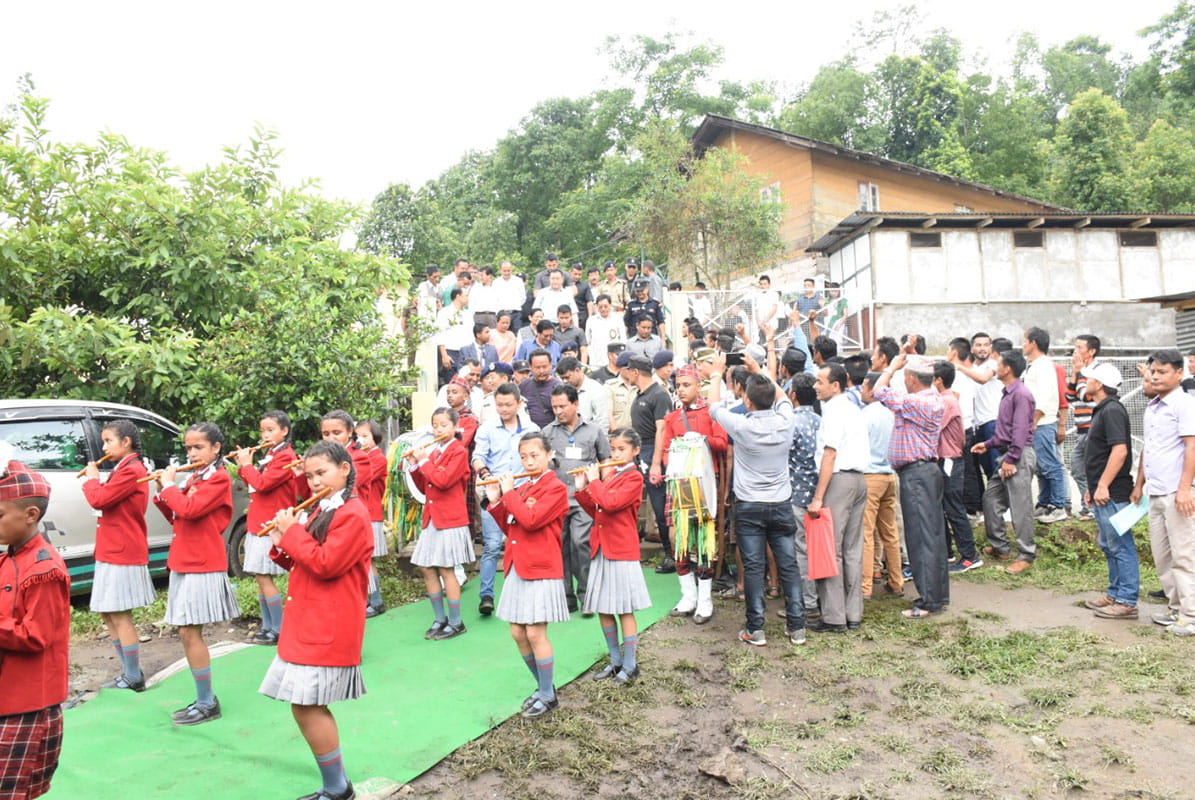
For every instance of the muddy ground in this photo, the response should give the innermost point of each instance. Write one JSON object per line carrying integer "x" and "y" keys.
{"x": 1016, "y": 691}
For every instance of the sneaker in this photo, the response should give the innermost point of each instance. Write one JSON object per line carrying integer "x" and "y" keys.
{"x": 448, "y": 631}
{"x": 966, "y": 565}
{"x": 1018, "y": 566}
{"x": 486, "y": 606}
{"x": 121, "y": 682}
{"x": 951, "y": 559}
{"x": 1165, "y": 618}
{"x": 196, "y": 714}
{"x": 1183, "y": 629}
{"x": 1086, "y": 514}
{"x": 1040, "y": 511}
{"x": 1098, "y": 603}
{"x": 1117, "y": 611}
{"x": 907, "y": 572}
{"x": 797, "y": 636}
{"x": 754, "y": 637}
{"x": 1054, "y": 515}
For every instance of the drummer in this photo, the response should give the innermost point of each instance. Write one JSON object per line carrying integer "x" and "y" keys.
{"x": 576, "y": 443}
{"x": 694, "y": 563}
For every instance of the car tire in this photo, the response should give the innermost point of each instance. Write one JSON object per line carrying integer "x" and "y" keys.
{"x": 236, "y": 550}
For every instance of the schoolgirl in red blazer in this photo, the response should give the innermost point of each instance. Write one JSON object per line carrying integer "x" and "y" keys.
{"x": 446, "y": 541}
{"x": 271, "y": 489}
{"x": 319, "y": 652}
{"x": 337, "y": 426}
{"x": 458, "y": 391}
{"x": 616, "y": 586}
{"x": 122, "y": 580}
{"x": 532, "y": 516}
{"x": 199, "y": 589}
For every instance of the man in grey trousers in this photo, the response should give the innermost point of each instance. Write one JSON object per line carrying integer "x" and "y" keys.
{"x": 1010, "y": 487}
{"x": 576, "y": 443}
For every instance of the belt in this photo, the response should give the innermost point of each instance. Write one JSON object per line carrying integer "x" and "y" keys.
{"x": 919, "y": 461}
{"x": 852, "y": 471}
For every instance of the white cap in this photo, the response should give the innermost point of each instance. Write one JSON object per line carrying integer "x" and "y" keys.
{"x": 1103, "y": 372}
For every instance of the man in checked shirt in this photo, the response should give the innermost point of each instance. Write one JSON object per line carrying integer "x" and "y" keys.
{"x": 913, "y": 453}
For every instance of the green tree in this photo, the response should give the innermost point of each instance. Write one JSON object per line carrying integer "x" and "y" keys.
{"x": 834, "y": 107}
{"x": 1162, "y": 171}
{"x": 192, "y": 294}
{"x": 706, "y": 216}
{"x": 1080, "y": 64}
{"x": 1090, "y": 155}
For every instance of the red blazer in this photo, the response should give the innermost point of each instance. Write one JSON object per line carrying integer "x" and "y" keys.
{"x": 120, "y": 532}
{"x": 700, "y": 422}
{"x": 273, "y": 487}
{"x": 200, "y": 513}
{"x": 377, "y": 485}
{"x": 35, "y": 624}
{"x": 361, "y": 464}
{"x": 614, "y": 506}
{"x": 467, "y": 425}
{"x": 324, "y": 622}
{"x": 531, "y": 517}
{"x": 444, "y": 478}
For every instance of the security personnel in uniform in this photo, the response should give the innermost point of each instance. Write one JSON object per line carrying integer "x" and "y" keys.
{"x": 643, "y": 304}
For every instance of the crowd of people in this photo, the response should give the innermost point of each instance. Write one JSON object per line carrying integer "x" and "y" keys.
{"x": 561, "y": 446}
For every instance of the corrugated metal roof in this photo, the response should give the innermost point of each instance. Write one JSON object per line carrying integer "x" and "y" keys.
{"x": 861, "y": 222}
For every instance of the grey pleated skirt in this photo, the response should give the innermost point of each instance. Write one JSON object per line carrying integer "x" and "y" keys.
{"x": 444, "y": 548}
{"x": 311, "y": 686}
{"x": 532, "y": 602}
{"x": 379, "y": 540}
{"x": 120, "y": 587}
{"x": 257, "y": 556}
{"x": 197, "y": 598}
{"x": 615, "y": 587}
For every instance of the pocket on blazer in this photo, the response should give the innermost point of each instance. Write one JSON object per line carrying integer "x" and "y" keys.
{"x": 319, "y": 623}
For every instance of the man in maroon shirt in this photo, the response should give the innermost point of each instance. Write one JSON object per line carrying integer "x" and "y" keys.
{"x": 1010, "y": 488}
{"x": 950, "y": 449}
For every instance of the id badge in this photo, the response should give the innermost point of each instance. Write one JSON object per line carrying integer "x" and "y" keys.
{"x": 573, "y": 453}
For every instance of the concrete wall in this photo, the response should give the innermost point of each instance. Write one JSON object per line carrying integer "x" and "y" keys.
{"x": 1119, "y": 325}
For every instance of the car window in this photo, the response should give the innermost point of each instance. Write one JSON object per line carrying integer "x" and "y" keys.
{"x": 46, "y": 443}
{"x": 159, "y": 445}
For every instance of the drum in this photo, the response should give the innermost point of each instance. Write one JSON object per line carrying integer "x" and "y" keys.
{"x": 693, "y": 495}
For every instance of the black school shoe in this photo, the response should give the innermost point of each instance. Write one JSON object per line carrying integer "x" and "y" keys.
{"x": 486, "y": 606}
{"x": 607, "y": 672}
{"x": 324, "y": 794}
{"x": 122, "y": 682}
{"x": 623, "y": 677}
{"x": 448, "y": 631}
{"x": 434, "y": 630}
{"x": 196, "y": 714}
{"x": 264, "y": 637}
{"x": 540, "y": 707}
{"x": 374, "y": 611}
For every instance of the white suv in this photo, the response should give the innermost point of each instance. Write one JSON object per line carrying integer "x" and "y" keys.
{"x": 58, "y": 437}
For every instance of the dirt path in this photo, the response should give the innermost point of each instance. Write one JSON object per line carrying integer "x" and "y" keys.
{"x": 1012, "y": 693}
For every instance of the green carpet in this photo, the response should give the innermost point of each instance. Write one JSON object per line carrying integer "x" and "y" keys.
{"x": 425, "y": 699}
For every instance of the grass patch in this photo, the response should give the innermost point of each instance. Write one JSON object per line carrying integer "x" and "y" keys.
{"x": 832, "y": 758}
{"x": 1049, "y": 696}
{"x": 1011, "y": 657}
{"x": 745, "y": 668}
{"x": 782, "y": 733}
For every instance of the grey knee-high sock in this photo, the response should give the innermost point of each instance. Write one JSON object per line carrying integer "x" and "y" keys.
{"x": 273, "y": 606}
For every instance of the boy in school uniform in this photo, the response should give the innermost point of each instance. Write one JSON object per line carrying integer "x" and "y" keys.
{"x": 34, "y": 636}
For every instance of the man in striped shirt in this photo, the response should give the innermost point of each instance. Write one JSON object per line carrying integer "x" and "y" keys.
{"x": 913, "y": 453}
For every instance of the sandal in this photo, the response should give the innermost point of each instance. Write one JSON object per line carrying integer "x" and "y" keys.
{"x": 773, "y": 592}
{"x": 918, "y": 613}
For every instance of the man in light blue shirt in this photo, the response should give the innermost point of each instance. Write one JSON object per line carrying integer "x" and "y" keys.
{"x": 496, "y": 451}
{"x": 879, "y": 515}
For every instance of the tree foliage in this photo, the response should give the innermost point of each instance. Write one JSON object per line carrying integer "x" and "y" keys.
{"x": 212, "y": 294}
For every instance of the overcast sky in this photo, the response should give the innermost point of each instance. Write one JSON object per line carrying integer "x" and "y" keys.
{"x": 365, "y": 94}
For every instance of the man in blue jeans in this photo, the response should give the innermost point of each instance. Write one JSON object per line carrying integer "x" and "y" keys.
{"x": 496, "y": 450}
{"x": 763, "y": 511}
{"x": 1107, "y": 461}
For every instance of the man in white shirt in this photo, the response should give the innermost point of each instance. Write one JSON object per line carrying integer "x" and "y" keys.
{"x": 555, "y": 295}
{"x": 604, "y": 327}
{"x": 427, "y": 294}
{"x": 844, "y": 452}
{"x": 699, "y": 304}
{"x": 594, "y": 400}
{"x": 455, "y": 322}
{"x": 1042, "y": 380}
{"x": 766, "y": 305}
{"x": 988, "y": 390}
{"x": 483, "y": 298}
{"x": 509, "y": 291}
